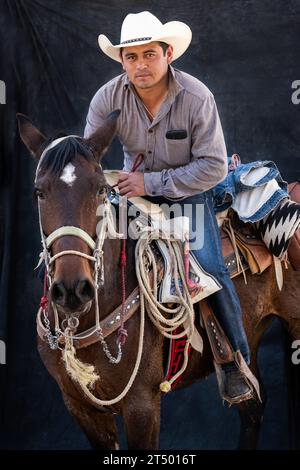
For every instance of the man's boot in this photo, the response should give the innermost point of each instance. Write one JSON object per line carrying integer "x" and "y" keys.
{"x": 235, "y": 386}
{"x": 230, "y": 366}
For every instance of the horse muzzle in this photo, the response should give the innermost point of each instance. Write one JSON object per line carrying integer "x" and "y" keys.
{"x": 76, "y": 298}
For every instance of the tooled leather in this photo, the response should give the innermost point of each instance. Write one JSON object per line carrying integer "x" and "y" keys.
{"x": 219, "y": 342}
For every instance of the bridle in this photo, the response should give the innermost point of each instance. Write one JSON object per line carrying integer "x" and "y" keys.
{"x": 96, "y": 258}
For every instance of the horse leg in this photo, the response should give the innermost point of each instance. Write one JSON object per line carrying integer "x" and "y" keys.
{"x": 99, "y": 427}
{"x": 251, "y": 411}
{"x": 142, "y": 420}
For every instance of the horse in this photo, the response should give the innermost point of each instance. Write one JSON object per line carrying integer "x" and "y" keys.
{"x": 70, "y": 187}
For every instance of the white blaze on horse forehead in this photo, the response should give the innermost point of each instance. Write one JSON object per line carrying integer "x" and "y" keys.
{"x": 68, "y": 174}
{"x": 50, "y": 146}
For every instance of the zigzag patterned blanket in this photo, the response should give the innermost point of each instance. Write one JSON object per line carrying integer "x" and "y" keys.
{"x": 278, "y": 227}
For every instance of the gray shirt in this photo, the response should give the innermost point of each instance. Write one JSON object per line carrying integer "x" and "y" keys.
{"x": 174, "y": 168}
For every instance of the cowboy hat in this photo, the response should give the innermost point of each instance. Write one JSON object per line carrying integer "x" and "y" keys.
{"x": 142, "y": 28}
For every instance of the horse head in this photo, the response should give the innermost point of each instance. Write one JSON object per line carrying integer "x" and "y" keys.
{"x": 70, "y": 186}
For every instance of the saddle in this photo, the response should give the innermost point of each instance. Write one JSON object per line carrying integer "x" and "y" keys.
{"x": 242, "y": 249}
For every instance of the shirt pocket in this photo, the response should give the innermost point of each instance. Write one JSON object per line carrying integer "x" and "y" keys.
{"x": 178, "y": 151}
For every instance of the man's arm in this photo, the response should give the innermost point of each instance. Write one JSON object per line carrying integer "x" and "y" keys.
{"x": 98, "y": 111}
{"x": 173, "y": 184}
{"x": 193, "y": 178}
{"x": 209, "y": 159}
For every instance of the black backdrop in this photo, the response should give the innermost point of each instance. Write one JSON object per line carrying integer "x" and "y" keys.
{"x": 247, "y": 53}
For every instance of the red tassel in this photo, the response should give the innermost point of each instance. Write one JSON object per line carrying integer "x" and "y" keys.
{"x": 44, "y": 302}
{"x": 122, "y": 336}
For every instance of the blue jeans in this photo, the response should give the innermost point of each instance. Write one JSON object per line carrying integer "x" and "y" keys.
{"x": 225, "y": 192}
{"x": 225, "y": 303}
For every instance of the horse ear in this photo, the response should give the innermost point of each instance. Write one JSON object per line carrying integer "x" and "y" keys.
{"x": 102, "y": 137}
{"x": 30, "y": 135}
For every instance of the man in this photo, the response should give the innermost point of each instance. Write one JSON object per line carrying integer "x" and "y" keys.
{"x": 171, "y": 118}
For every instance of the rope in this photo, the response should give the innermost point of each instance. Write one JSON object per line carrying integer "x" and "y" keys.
{"x": 122, "y": 333}
{"x": 71, "y": 252}
{"x": 182, "y": 315}
{"x": 84, "y": 386}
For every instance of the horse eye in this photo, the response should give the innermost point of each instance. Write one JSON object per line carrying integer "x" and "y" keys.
{"x": 101, "y": 191}
{"x": 39, "y": 193}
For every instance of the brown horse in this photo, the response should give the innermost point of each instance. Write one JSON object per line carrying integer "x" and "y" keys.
{"x": 70, "y": 197}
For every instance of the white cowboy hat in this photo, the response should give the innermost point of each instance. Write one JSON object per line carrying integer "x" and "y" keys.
{"x": 142, "y": 28}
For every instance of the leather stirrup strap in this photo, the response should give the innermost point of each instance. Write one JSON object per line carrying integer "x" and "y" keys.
{"x": 219, "y": 343}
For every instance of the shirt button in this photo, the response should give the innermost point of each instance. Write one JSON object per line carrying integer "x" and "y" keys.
{"x": 147, "y": 168}
{"x": 149, "y": 151}
{"x": 153, "y": 192}
{"x": 150, "y": 131}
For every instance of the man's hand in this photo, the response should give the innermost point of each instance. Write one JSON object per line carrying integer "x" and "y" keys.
{"x": 131, "y": 184}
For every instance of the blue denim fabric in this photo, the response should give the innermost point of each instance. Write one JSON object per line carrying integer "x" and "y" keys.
{"x": 225, "y": 192}
{"x": 225, "y": 303}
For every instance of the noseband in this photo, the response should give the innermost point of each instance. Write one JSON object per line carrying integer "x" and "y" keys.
{"x": 97, "y": 256}
{"x": 107, "y": 225}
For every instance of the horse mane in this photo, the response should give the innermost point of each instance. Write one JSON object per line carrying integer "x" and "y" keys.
{"x": 59, "y": 156}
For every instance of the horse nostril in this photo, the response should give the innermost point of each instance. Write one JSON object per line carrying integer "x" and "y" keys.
{"x": 58, "y": 293}
{"x": 84, "y": 290}
{"x": 73, "y": 297}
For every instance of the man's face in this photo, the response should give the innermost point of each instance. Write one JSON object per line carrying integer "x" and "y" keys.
{"x": 146, "y": 65}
